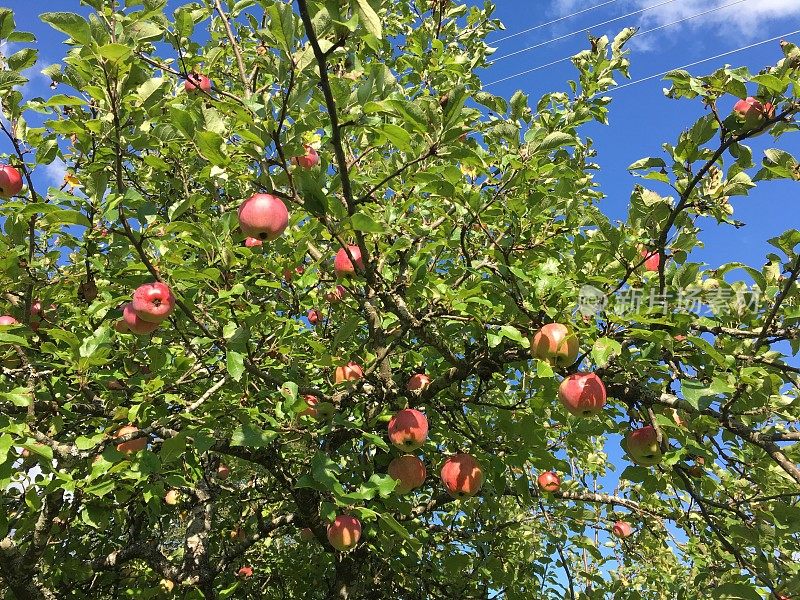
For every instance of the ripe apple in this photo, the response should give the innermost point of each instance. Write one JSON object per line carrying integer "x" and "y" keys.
{"x": 418, "y": 382}
{"x": 135, "y": 324}
{"x": 223, "y": 471}
{"x": 409, "y": 471}
{"x": 752, "y": 113}
{"x": 642, "y": 446}
{"x": 316, "y": 409}
{"x": 153, "y": 302}
{"x": 408, "y": 429}
{"x": 314, "y": 316}
{"x": 245, "y": 572}
{"x": 336, "y": 294}
{"x": 343, "y": 265}
{"x": 263, "y": 216}
{"x": 582, "y": 394}
{"x": 549, "y": 481}
{"x": 8, "y": 320}
{"x": 344, "y": 532}
{"x": 10, "y": 181}
{"x": 253, "y": 242}
{"x": 622, "y": 529}
{"x": 132, "y": 446}
{"x": 195, "y": 82}
{"x": 172, "y": 497}
{"x": 462, "y": 476}
{"x": 309, "y": 160}
{"x": 556, "y": 344}
{"x": 652, "y": 259}
{"x": 349, "y": 372}
{"x": 306, "y": 534}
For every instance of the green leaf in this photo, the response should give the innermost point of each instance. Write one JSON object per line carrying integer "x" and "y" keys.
{"x": 281, "y": 24}
{"x": 369, "y": 18}
{"x": 234, "y": 361}
{"x": 365, "y": 223}
{"x": 211, "y": 146}
{"x": 604, "y": 349}
{"x": 398, "y": 136}
{"x": 556, "y": 139}
{"x": 172, "y": 449}
{"x": 19, "y": 396}
{"x": 250, "y": 436}
{"x": 115, "y": 52}
{"x": 75, "y": 26}
{"x": 735, "y": 591}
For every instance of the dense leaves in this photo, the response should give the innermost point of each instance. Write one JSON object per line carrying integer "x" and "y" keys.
{"x": 477, "y": 222}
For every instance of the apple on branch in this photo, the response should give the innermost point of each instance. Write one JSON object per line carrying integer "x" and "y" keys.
{"x": 462, "y": 476}
{"x": 195, "y": 83}
{"x": 419, "y": 382}
{"x": 582, "y": 394}
{"x": 309, "y": 160}
{"x": 263, "y": 217}
{"x": 343, "y": 265}
{"x": 622, "y": 529}
{"x": 350, "y": 372}
{"x": 153, "y": 302}
{"x": 131, "y": 446}
{"x": 344, "y": 533}
{"x": 549, "y": 481}
{"x": 10, "y": 181}
{"x": 556, "y": 344}
{"x": 409, "y": 472}
{"x": 408, "y": 429}
{"x": 642, "y": 446}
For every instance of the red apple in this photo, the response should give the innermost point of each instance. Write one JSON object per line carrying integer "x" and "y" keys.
{"x": 344, "y": 532}
{"x": 462, "y": 476}
{"x": 418, "y": 382}
{"x": 622, "y": 529}
{"x": 153, "y": 302}
{"x": 408, "y": 429}
{"x": 245, "y": 572}
{"x": 343, "y": 265}
{"x": 311, "y": 411}
{"x": 642, "y": 446}
{"x": 336, "y": 294}
{"x": 10, "y": 181}
{"x": 549, "y": 481}
{"x": 556, "y": 344}
{"x": 8, "y": 320}
{"x": 309, "y": 160}
{"x": 652, "y": 259}
{"x": 409, "y": 471}
{"x": 263, "y": 216}
{"x": 196, "y": 82}
{"x": 349, "y": 372}
{"x": 582, "y": 394}
{"x": 223, "y": 471}
{"x": 314, "y": 316}
{"x": 134, "y": 323}
{"x": 752, "y": 112}
{"x": 131, "y": 446}
{"x": 253, "y": 242}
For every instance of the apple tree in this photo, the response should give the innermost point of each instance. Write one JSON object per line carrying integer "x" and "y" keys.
{"x": 314, "y": 315}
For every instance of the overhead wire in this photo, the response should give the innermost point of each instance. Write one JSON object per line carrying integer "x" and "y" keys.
{"x": 704, "y": 60}
{"x": 637, "y": 35}
{"x": 585, "y": 29}
{"x": 558, "y": 20}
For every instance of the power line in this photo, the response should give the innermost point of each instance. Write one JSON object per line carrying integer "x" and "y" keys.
{"x": 698, "y": 62}
{"x": 575, "y": 14}
{"x": 638, "y": 34}
{"x": 566, "y": 35}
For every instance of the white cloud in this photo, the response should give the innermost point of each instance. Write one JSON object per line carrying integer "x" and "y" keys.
{"x": 54, "y": 172}
{"x": 748, "y": 19}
